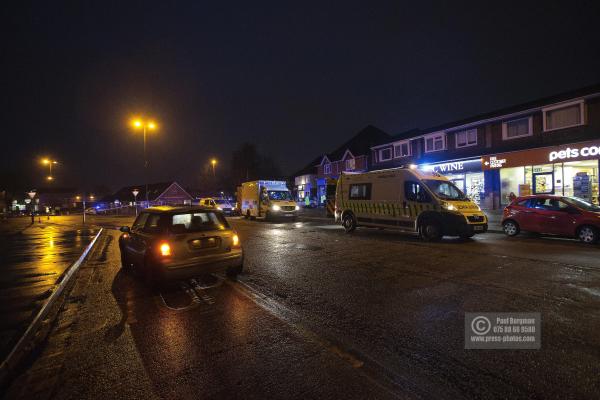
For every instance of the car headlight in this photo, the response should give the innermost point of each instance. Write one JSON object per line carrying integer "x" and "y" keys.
{"x": 275, "y": 208}
{"x": 219, "y": 208}
{"x": 449, "y": 206}
{"x": 297, "y": 208}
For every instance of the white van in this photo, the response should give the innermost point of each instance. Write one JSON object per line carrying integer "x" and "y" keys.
{"x": 409, "y": 200}
{"x": 267, "y": 199}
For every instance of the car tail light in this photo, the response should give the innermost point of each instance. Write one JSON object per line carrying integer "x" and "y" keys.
{"x": 165, "y": 249}
{"x": 235, "y": 240}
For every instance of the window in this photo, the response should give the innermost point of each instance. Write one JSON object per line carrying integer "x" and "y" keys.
{"x": 445, "y": 190}
{"x": 413, "y": 191}
{"x": 198, "y": 221}
{"x": 385, "y": 154}
{"x": 548, "y": 204}
{"x": 140, "y": 221}
{"x": 466, "y": 138}
{"x": 152, "y": 223}
{"x": 563, "y": 116}
{"x": 350, "y": 164}
{"x": 280, "y": 195}
{"x": 207, "y": 202}
{"x": 360, "y": 191}
{"x": 435, "y": 142}
{"x": 402, "y": 149}
{"x": 327, "y": 169}
{"x": 517, "y": 128}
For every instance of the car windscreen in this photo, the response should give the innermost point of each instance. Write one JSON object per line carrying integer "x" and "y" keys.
{"x": 221, "y": 201}
{"x": 197, "y": 221}
{"x": 445, "y": 190}
{"x": 279, "y": 195}
{"x": 583, "y": 204}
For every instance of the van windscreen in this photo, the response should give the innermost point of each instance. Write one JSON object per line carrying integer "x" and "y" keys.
{"x": 445, "y": 190}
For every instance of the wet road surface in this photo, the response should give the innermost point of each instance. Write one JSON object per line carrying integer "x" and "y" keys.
{"x": 32, "y": 259}
{"x": 322, "y": 314}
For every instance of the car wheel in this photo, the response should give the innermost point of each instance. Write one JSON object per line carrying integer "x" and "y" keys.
{"x": 588, "y": 234}
{"x": 149, "y": 274}
{"x": 511, "y": 228}
{"x": 233, "y": 272}
{"x": 349, "y": 223}
{"x": 430, "y": 231}
{"x": 467, "y": 235}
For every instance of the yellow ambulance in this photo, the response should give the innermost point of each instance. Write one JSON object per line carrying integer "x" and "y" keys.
{"x": 407, "y": 199}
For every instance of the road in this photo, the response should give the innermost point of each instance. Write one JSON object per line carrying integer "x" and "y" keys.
{"x": 322, "y": 314}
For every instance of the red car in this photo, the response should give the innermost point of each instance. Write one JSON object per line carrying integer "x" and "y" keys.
{"x": 556, "y": 215}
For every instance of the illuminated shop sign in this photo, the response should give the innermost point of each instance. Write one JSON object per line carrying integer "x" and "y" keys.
{"x": 588, "y": 151}
{"x": 454, "y": 166}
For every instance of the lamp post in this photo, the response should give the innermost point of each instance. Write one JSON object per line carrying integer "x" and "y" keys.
{"x": 49, "y": 163}
{"x": 144, "y": 125}
{"x": 31, "y": 195}
{"x": 135, "y": 192}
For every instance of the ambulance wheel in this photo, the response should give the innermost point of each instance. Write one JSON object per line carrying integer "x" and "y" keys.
{"x": 349, "y": 223}
{"x": 430, "y": 231}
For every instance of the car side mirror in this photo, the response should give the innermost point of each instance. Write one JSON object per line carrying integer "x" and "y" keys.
{"x": 125, "y": 229}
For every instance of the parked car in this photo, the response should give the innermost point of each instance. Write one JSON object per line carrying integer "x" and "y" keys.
{"x": 167, "y": 243}
{"x": 220, "y": 204}
{"x": 555, "y": 215}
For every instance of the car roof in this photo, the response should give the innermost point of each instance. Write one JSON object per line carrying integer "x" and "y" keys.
{"x": 537, "y": 196}
{"x": 177, "y": 209}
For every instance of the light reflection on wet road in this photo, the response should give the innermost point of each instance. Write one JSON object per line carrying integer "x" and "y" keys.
{"x": 32, "y": 259}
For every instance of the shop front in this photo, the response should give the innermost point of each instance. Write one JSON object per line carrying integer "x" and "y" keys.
{"x": 568, "y": 170}
{"x": 466, "y": 174}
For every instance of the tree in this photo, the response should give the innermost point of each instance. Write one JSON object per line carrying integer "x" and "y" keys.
{"x": 247, "y": 165}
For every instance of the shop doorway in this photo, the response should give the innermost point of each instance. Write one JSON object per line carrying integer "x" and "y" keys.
{"x": 543, "y": 183}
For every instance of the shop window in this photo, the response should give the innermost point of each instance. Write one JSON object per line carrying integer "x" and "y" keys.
{"x": 350, "y": 164}
{"x": 466, "y": 138}
{"x": 563, "y": 116}
{"x": 385, "y": 154}
{"x": 402, "y": 149}
{"x": 327, "y": 169}
{"x": 361, "y": 191}
{"x": 517, "y": 128}
{"x": 435, "y": 142}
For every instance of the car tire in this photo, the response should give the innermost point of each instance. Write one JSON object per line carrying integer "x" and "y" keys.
{"x": 588, "y": 234}
{"x": 349, "y": 223}
{"x": 430, "y": 231}
{"x": 233, "y": 272}
{"x": 149, "y": 274}
{"x": 467, "y": 235}
{"x": 511, "y": 228}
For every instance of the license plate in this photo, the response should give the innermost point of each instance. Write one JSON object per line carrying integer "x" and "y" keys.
{"x": 478, "y": 228}
{"x": 204, "y": 243}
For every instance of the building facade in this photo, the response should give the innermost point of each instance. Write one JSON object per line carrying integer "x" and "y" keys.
{"x": 545, "y": 146}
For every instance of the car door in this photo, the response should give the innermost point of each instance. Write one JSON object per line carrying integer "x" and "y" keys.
{"x": 416, "y": 200}
{"x": 133, "y": 245}
{"x": 560, "y": 219}
{"x": 529, "y": 218}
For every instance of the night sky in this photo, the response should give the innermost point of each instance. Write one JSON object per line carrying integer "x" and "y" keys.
{"x": 297, "y": 80}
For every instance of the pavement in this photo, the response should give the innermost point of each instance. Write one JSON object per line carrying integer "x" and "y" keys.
{"x": 33, "y": 257}
{"x": 322, "y": 314}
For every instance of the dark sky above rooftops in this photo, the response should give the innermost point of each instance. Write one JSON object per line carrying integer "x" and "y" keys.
{"x": 296, "y": 78}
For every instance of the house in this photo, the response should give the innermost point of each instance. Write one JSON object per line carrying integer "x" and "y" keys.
{"x": 352, "y": 156}
{"x": 305, "y": 182}
{"x": 549, "y": 145}
{"x": 163, "y": 193}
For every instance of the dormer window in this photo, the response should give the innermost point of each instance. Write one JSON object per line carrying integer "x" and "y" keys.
{"x": 327, "y": 168}
{"x": 435, "y": 142}
{"x": 350, "y": 164}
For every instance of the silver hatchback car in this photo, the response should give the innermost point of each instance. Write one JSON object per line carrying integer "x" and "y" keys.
{"x": 166, "y": 243}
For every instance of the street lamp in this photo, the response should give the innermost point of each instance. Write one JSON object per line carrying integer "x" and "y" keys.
{"x": 49, "y": 162}
{"x": 144, "y": 125}
{"x": 213, "y": 162}
{"x": 135, "y": 192}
